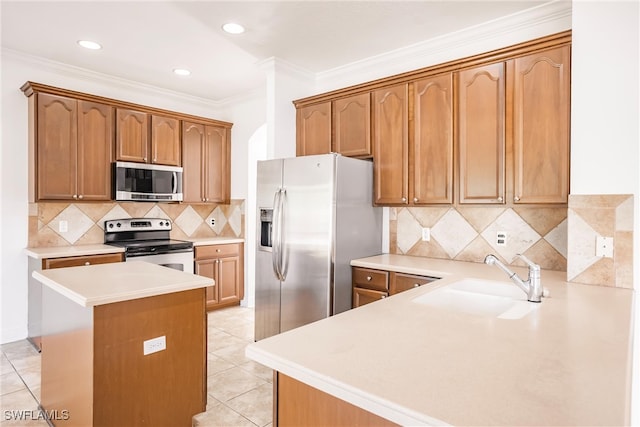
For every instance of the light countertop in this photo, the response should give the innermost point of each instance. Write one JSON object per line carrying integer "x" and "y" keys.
{"x": 70, "y": 251}
{"x": 566, "y": 363}
{"x": 108, "y": 283}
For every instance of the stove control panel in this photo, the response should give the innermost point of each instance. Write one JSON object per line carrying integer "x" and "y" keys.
{"x": 137, "y": 224}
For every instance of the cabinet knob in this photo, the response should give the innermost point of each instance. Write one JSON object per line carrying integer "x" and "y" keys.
{"x": 415, "y": 200}
{"x": 500, "y": 199}
{"x": 368, "y": 278}
{"x": 87, "y": 263}
{"x": 155, "y": 159}
{"x": 81, "y": 197}
{"x": 144, "y": 159}
{"x": 415, "y": 285}
{"x": 404, "y": 200}
{"x": 217, "y": 250}
{"x": 382, "y": 296}
{"x": 516, "y": 199}
{"x": 75, "y": 196}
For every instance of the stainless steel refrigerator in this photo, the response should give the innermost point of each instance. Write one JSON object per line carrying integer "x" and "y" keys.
{"x": 315, "y": 214}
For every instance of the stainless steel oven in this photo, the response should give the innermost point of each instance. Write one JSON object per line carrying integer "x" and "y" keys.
{"x": 148, "y": 239}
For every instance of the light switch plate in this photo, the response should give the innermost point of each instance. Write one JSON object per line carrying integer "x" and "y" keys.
{"x": 604, "y": 247}
{"x": 501, "y": 238}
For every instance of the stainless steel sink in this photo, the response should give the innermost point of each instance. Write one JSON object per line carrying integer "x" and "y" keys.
{"x": 489, "y": 298}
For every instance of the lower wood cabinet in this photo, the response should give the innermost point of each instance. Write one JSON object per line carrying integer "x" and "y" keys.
{"x": 370, "y": 285}
{"x": 225, "y": 265}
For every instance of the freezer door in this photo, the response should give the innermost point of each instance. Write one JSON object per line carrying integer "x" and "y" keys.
{"x": 306, "y": 292}
{"x": 267, "y": 297}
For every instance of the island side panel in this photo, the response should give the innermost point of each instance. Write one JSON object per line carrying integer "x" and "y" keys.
{"x": 66, "y": 384}
{"x": 166, "y": 388}
{"x": 301, "y": 405}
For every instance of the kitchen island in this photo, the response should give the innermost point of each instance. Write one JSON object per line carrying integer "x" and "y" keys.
{"x": 397, "y": 361}
{"x": 123, "y": 344}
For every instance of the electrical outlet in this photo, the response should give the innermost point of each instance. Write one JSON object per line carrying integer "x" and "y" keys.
{"x": 501, "y": 238}
{"x": 211, "y": 221}
{"x": 604, "y": 247}
{"x": 426, "y": 234}
{"x": 154, "y": 345}
{"x": 63, "y": 226}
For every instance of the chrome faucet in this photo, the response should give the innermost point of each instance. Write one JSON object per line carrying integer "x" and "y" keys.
{"x": 531, "y": 286}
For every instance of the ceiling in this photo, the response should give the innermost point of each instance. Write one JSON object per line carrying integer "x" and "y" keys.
{"x": 143, "y": 41}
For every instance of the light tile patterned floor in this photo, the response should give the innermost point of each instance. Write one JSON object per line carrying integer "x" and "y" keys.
{"x": 239, "y": 390}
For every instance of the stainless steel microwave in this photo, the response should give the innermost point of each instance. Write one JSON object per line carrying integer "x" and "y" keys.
{"x": 147, "y": 182}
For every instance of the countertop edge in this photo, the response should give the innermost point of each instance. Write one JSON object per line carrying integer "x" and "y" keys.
{"x": 352, "y": 395}
{"x": 71, "y": 251}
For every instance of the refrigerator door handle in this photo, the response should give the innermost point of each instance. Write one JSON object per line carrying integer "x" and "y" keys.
{"x": 275, "y": 254}
{"x": 284, "y": 255}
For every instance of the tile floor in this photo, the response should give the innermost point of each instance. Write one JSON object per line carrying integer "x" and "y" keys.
{"x": 239, "y": 390}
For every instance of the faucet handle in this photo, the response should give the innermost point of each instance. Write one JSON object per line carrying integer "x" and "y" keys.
{"x": 530, "y": 263}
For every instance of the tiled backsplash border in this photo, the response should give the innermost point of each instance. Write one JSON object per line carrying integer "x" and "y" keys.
{"x": 85, "y": 221}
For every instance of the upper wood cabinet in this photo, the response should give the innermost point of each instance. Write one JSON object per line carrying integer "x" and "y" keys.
{"x": 481, "y": 134}
{"x": 390, "y": 145}
{"x": 206, "y": 163}
{"x": 165, "y": 140}
{"x": 352, "y": 125}
{"x": 313, "y": 129}
{"x": 431, "y": 156}
{"x": 132, "y": 136}
{"x": 73, "y": 144}
{"x": 147, "y": 138}
{"x": 541, "y": 92}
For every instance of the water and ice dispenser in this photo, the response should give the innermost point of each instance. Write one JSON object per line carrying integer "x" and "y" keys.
{"x": 266, "y": 228}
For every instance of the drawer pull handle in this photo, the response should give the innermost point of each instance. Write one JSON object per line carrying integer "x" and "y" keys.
{"x": 87, "y": 263}
{"x": 369, "y": 278}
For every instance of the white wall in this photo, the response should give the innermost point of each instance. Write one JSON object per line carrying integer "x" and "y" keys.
{"x": 605, "y": 116}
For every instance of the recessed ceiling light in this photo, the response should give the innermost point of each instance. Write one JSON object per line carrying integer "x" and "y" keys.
{"x": 233, "y": 28}
{"x": 181, "y": 71}
{"x": 89, "y": 44}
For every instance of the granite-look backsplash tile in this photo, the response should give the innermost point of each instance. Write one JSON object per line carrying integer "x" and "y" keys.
{"x": 85, "y": 221}
{"x": 593, "y": 216}
{"x": 469, "y": 233}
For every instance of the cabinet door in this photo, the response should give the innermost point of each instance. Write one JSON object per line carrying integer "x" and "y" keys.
{"x": 165, "y": 140}
{"x": 432, "y": 154}
{"x": 207, "y": 268}
{"x": 216, "y": 167}
{"x": 352, "y": 125}
{"x": 313, "y": 129}
{"x": 481, "y": 134}
{"x": 193, "y": 161}
{"x": 56, "y": 147}
{"x": 365, "y": 296}
{"x": 95, "y": 150}
{"x": 541, "y": 93}
{"x": 390, "y": 145}
{"x": 132, "y": 139}
{"x": 229, "y": 279}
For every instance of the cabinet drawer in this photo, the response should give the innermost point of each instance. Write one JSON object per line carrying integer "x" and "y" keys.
{"x": 365, "y": 296}
{"x": 402, "y": 282}
{"x": 215, "y": 251}
{"x": 80, "y": 260}
{"x": 370, "y": 279}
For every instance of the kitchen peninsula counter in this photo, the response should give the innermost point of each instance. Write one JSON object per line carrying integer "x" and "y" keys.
{"x": 123, "y": 344}
{"x": 568, "y": 362}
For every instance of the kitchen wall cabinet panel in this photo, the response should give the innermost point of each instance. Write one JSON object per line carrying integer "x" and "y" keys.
{"x": 390, "y": 145}
{"x": 74, "y": 149}
{"x": 313, "y": 129}
{"x": 352, "y": 125}
{"x": 541, "y": 93}
{"x": 431, "y": 157}
{"x": 206, "y": 163}
{"x": 132, "y": 136}
{"x": 481, "y": 134}
{"x": 225, "y": 265}
{"x": 165, "y": 140}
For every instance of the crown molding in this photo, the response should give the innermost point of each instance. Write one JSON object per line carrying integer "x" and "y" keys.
{"x": 546, "y": 19}
{"x": 78, "y": 73}
{"x": 285, "y": 67}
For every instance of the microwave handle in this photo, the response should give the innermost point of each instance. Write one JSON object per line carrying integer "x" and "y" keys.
{"x": 174, "y": 181}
